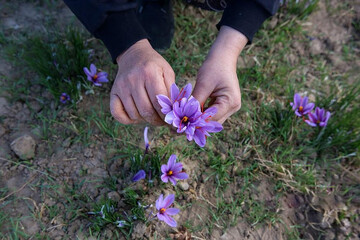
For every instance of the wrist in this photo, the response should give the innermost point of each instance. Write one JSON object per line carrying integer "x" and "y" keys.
{"x": 138, "y": 46}
{"x": 227, "y": 46}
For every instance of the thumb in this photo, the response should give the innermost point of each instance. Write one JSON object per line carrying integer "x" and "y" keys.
{"x": 222, "y": 112}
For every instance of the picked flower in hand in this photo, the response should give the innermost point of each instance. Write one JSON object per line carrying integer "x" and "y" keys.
{"x": 164, "y": 212}
{"x": 301, "y": 105}
{"x": 175, "y": 95}
{"x": 94, "y": 76}
{"x": 319, "y": 118}
{"x": 172, "y": 171}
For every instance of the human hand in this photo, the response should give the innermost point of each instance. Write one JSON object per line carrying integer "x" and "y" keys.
{"x": 217, "y": 76}
{"x": 142, "y": 74}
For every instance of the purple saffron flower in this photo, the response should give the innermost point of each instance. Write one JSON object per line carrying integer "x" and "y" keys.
{"x": 164, "y": 212}
{"x": 319, "y": 118}
{"x": 64, "y": 98}
{"x": 175, "y": 95}
{"x": 301, "y": 105}
{"x": 172, "y": 171}
{"x": 146, "y": 140}
{"x": 186, "y": 115}
{"x": 204, "y": 127}
{"x": 139, "y": 175}
{"x": 94, "y": 76}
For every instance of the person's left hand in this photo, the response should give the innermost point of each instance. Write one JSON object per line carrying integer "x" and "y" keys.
{"x": 217, "y": 78}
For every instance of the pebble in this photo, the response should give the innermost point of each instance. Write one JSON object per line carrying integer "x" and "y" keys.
{"x": 2, "y": 131}
{"x": 114, "y": 196}
{"x": 66, "y": 143}
{"x": 24, "y": 147}
{"x": 88, "y": 153}
{"x": 346, "y": 223}
{"x": 183, "y": 185}
{"x": 315, "y": 47}
{"x": 3, "y": 106}
{"x": 329, "y": 234}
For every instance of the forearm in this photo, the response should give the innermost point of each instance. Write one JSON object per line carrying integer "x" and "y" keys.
{"x": 227, "y": 46}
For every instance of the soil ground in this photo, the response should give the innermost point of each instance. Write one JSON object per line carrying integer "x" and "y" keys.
{"x": 83, "y": 157}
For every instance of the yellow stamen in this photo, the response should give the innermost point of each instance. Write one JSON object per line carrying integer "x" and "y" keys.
{"x": 162, "y": 210}
{"x": 95, "y": 77}
{"x": 170, "y": 173}
{"x": 301, "y": 108}
{"x": 318, "y": 121}
{"x": 185, "y": 119}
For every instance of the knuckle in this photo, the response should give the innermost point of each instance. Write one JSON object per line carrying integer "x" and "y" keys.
{"x": 236, "y": 103}
{"x": 120, "y": 117}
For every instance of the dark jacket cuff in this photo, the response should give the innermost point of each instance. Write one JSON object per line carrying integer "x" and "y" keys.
{"x": 245, "y": 16}
{"x": 120, "y": 31}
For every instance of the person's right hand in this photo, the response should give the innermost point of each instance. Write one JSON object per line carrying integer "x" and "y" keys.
{"x": 142, "y": 74}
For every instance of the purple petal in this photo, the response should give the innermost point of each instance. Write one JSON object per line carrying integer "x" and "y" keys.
{"x": 165, "y": 103}
{"x": 161, "y": 217}
{"x": 210, "y": 112}
{"x": 172, "y": 211}
{"x": 164, "y": 168}
{"x": 168, "y": 201}
{"x": 171, "y": 161}
{"x": 312, "y": 117}
{"x": 297, "y": 113}
{"x": 92, "y": 69}
{"x": 200, "y": 138}
{"x": 297, "y": 100}
{"x": 310, "y": 123}
{"x": 191, "y": 108}
{"x": 97, "y": 84}
{"x": 308, "y": 108}
{"x": 216, "y": 127}
{"x": 102, "y": 79}
{"x": 159, "y": 202}
{"x": 304, "y": 101}
{"x": 146, "y": 140}
{"x": 187, "y": 91}
{"x": 139, "y": 175}
{"x": 181, "y": 175}
{"x": 322, "y": 124}
{"x": 172, "y": 180}
{"x": 87, "y": 72}
{"x": 174, "y": 92}
{"x": 177, "y": 167}
{"x": 328, "y": 114}
{"x": 165, "y": 178}
{"x": 170, "y": 221}
{"x": 190, "y": 130}
{"x": 169, "y": 117}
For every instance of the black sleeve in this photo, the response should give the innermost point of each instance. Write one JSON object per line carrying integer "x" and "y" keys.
{"x": 112, "y": 21}
{"x": 247, "y": 16}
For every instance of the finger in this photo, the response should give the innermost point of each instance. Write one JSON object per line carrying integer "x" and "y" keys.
{"x": 130, "y": 108}
{"x": 169, "y": 77}
{"x": 117, "y": 110}
{"x": 155, "y": 89}
{"x": 202, "y": 92}
{"x": 225, "y": 106}
{"x": 145, "y": 108}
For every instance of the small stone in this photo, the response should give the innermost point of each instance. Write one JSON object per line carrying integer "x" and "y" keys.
{"x": 35, "y": 106}
{"x": 3, "y": 106}
{"x": 24, "y": 147}
{"x": 329, "y": 234}
{"x": 183, "y": 185}
{"x": 88, "y": 153}
{"x": 66, "y": 143}
{"x": 324, "y": 225}
{"x": 273, "y": 22}
{"x": 114, "y": 196}
{"x": 346, "y": 223}
{"x": 316, "y": 47}
{"x": 139, "y": 231}
{"x": 2, "y": 131}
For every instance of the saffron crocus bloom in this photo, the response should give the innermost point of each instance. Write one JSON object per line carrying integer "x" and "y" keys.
{"x": 164, "y": 212}
{"x": 120, "y": 223}
{"x": 146, "y": 140}
{"x": 319, "y": 118}
{"x": 172, "y": 171}
{"x": 175, "y": 95}
{"x": 139, "y": 175}
{"x": 94, "y": 76}
{"x": 64, "y": 98}
{"x": 301, "y": 105}
{"x": 186, "y": 115}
